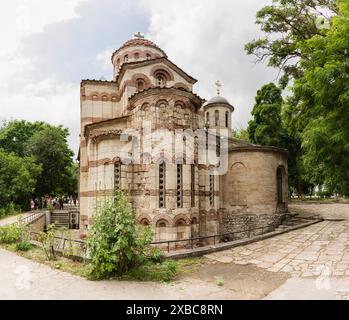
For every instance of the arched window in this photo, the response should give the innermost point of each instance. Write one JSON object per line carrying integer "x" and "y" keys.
{"x": 179, "y": 186}
{"x": 162, "y": 184}
{"x": 117, "y": 176}
{"x": 207, "y": 118}
{"x": 211, "y": 190}
{"x": 192, "y": 186}
{"x": 161, "y": 77}
{"x": 160, "y": 80}
{"x": 126, "y": 58}
{"x": 144, "y": 222}
{"x": 140, "y": 85}
{"x": 227, "y": 119}
{"x": 148, "y": 56}
{"x": 136, "y": 56}
{"x": 216, "y": 118}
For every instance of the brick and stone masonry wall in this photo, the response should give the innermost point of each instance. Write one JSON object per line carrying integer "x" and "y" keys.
{"x": 38, "y": 225}
{"x": 250, "y": 197}
{"x": 237, "y": 223}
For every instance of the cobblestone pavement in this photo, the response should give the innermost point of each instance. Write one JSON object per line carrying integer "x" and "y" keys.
{"x": 319, "y": 252}
{"x": 304, "y": 252}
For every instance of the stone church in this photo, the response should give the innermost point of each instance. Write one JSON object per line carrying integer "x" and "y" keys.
{"x": 180, "y": 194}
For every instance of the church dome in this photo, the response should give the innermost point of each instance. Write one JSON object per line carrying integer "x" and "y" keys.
{"x": 217, "y": 100}
{"x": 139, "y": 41}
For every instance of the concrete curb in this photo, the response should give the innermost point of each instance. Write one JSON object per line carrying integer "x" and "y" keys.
{"x": 228, "y": 245}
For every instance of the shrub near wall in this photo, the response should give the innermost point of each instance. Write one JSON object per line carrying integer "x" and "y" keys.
{"x": 115, "y": 243}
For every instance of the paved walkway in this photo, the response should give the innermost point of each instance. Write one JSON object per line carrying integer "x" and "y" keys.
{"x": 315, "y": 260}
{"x": 12, "y": 219}
{"x": 315, "y": 257}
{"x": 303, "y": 253}
{"x": 24, "y": 279}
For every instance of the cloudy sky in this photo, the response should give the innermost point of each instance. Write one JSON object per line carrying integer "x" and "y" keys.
{"x": 48, "y": 46}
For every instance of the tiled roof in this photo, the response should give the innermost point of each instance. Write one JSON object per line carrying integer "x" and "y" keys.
{"x": 138, "y": 42}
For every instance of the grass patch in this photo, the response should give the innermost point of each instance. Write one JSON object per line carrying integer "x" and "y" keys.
{"x": 189, "y": 265}
{"x": 36, "y": 254}
{"x": 163, "y": 272}
{"x": 159, "y": 272}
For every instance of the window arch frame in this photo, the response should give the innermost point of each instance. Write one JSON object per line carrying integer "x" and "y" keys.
{"x": 162, "y": 184}
{"x": 227, "y": 119}
{"x": 143, "y": 85}
{"x": 217, "y": 118}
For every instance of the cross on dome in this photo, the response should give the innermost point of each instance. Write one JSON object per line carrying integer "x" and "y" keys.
{"x": 139, "y": 35}
{"x": 218, "y": 85}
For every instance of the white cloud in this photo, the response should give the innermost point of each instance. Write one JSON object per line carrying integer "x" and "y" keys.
{"x": 49, "y": 101}
{"x": 21, "y": 96}
{"x": 49, "y": 46}
{"x": 206, "y": 38}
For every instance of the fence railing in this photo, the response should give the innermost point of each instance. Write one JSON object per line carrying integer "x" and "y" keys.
{"x": 81, "y": 247}
{"x": 218, "y": 238}
{"x": 227, "y": 236}
{"x": 31, "y": 218}
{"x": 72, "y": 247}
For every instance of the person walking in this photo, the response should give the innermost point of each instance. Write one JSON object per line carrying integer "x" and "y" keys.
{"x": 61, "y": 203}
{"x": 32, "y": 205}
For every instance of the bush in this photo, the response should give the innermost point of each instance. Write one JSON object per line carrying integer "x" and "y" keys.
{"x": 155, "y": 255}
{"x": 23, "y": 246}
{"x": 10, "y": 234}
{"x": 2, "y": 213}
{"x": 115, "y": 244}
{"x": 47, "y": 241}
{"x": 324, "y": 194}
{"x": 13, "y": 233}
{"x": 10, "y": 209}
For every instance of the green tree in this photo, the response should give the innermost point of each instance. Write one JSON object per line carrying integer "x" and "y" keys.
{"x": 18, "y": 178}
{"x": 298, "y": 179}
{"x": 115, "y": 243}
{"x": 266, "y": 127}
{"x": 50, "y": 148}
{"x": 287, "y": 24}
{"x": 14, "y": 135}
{"x": 271, "y": 126}
{"x": 241, "y": 134}
{"x": 322, "y": 96}
{"x": 307, "y": 41}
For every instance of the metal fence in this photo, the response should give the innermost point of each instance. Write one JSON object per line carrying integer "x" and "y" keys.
{"x": 70, "y": 247}
{"x": 79, "y": 247}
{"x": 226, "y": 237}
